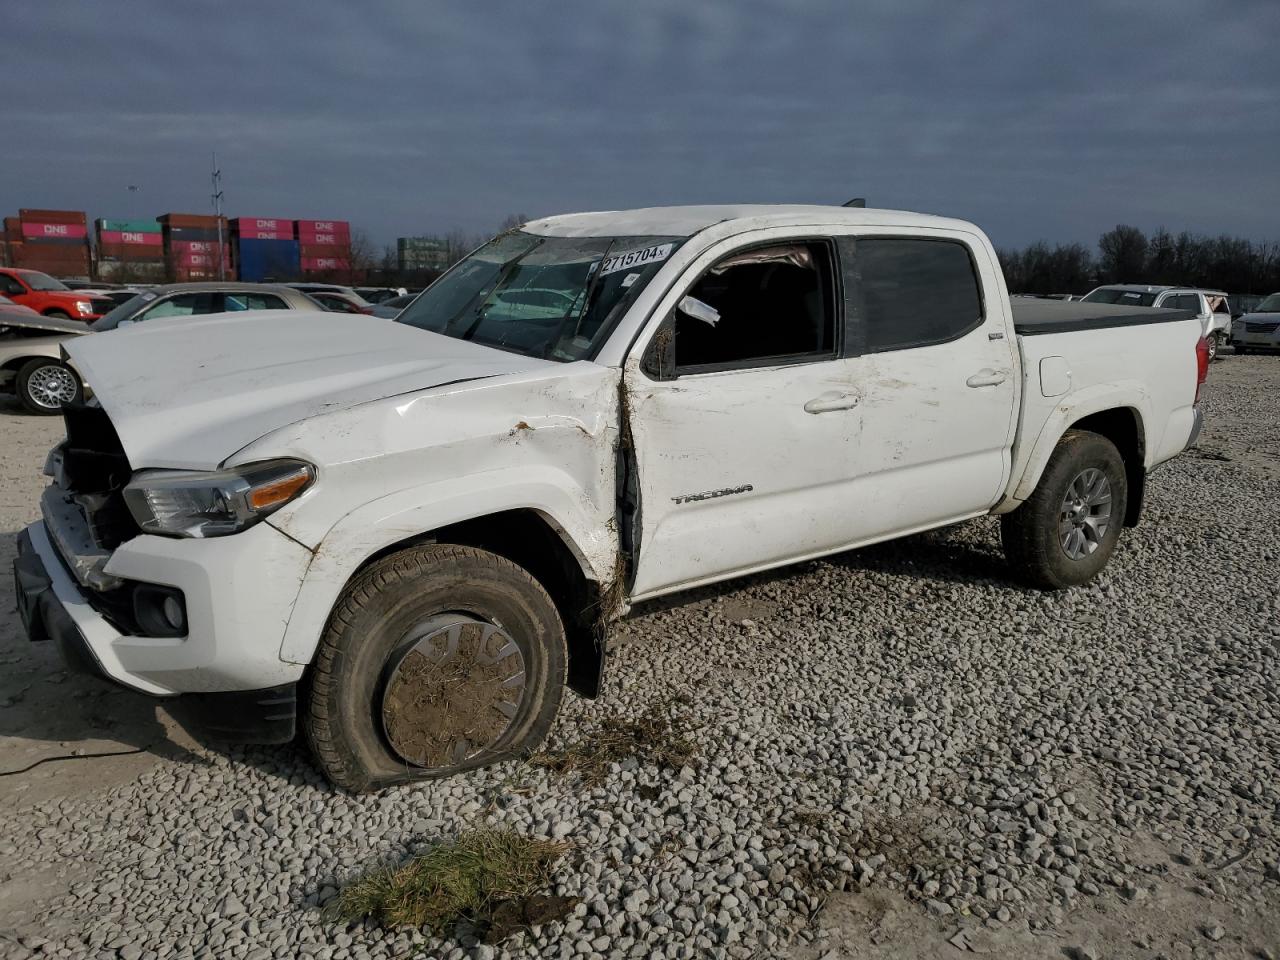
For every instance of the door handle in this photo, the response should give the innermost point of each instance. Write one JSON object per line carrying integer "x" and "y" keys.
{"x": 987, "y": 378}
{"x": 828, "y": 402}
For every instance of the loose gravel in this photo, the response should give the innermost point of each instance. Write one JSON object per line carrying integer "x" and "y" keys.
{"x": 902, "y": 726}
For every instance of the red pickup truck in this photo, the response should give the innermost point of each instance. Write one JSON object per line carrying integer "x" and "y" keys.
{"x": 43, "y": 294}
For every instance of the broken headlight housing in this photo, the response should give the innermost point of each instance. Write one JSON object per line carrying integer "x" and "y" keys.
{"x": 182, "y": 503}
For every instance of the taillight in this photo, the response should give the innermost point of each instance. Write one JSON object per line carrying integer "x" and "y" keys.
{"x": 1202, "y": 364}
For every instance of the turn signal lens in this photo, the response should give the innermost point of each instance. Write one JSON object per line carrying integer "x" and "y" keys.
{"x": 278, "y": 492}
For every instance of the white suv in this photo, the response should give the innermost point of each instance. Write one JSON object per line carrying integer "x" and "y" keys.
{"x": 1209, "y": 305}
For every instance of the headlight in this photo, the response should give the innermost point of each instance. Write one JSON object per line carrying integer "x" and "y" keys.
{"x": 84, "y": 306}
{"x": 181, "y": 503}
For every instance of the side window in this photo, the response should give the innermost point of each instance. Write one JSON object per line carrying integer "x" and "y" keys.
{"x": 767, "y": 305}
{"x": 252, "y": 301}
{"x": 1183, "y": 301}
{"x": 182, "y": 305}
{"x": 9, "y": 285}
{"x": 914, "y": 293}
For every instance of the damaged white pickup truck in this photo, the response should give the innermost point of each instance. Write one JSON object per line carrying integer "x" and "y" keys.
{"x": 410, "y": 535}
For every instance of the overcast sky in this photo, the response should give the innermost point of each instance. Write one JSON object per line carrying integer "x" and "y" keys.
{"x": 1035, "y": 118}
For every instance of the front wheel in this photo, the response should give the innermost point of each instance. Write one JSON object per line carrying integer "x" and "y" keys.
{"x": 45, "y": 384}
{"x": 58, "y": 314}
{"x": 1066, "y": 532}
{"x": 437, "y": 659}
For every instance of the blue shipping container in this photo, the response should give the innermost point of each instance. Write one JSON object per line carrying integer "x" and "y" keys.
{"x": 258, "y": 260}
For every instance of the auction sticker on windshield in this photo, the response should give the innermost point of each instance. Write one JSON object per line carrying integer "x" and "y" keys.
{"x": 637, "y": 258}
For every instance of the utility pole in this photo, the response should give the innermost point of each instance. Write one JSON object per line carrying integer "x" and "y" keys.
{"x": 217, "y": 211}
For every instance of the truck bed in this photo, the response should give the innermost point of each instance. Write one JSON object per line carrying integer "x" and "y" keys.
{"x": 1032, "y": 316}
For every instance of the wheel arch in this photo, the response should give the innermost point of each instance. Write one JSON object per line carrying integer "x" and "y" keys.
{"x": 1123, "y": 426}
{"x": 528, "y": 537}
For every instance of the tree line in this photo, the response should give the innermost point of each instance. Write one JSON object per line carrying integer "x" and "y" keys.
{"x": 1127, "y": 255}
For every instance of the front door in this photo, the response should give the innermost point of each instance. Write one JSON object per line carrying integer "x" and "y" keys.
{"x": 742, "y": 417}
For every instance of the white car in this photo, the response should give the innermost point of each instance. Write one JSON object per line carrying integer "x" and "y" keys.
{"x": 1210, "y": 306}
{"x": 31, "y": 365}
{"x": 433, "y": 520}
{"x": 1260, "y": 328}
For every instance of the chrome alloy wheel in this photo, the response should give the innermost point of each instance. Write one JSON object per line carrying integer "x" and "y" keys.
{"x": 453, "y": 692}
{"x": 51, "y": 386}
{"x": 1085, "y": 515}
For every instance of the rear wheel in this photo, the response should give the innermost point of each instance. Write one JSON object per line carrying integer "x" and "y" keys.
{"x": 436, "y": 660}
{"x": 1213, "y": 346}
{"x": 1066, "y": 532}
{"x": 44, "y": 385}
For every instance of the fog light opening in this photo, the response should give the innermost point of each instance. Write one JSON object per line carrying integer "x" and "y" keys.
{"x": 159, "y": 611}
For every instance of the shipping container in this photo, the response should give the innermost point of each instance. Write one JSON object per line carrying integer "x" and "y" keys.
{"x": 191, "y": 220}
{"x": 128, "y": 226}
{"x": 340, "y": 228}
{"x": 324, "y": 264}
{"x": 130, "y": 251}
{"x": 325, "y": 249}
{"x": 257, "y": 260}
{"x": 130, "y": 238}
{"x": 205, "y": 234}
{"x": 13, "y": 226}
{"x": 53, "y": 231}
{"x": 53, "y": 216}
{"x": 132, "y": 271}
{"x": 262, "y": 228}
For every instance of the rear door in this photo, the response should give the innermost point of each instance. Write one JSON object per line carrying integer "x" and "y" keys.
{"x": 937, "y": 373}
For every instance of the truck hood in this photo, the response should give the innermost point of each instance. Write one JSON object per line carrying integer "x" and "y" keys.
{"x": 191, "y": 394}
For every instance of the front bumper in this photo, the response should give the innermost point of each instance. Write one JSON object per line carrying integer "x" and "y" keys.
{"x": 51, "y": 607}
{"x": 239, "y": 593}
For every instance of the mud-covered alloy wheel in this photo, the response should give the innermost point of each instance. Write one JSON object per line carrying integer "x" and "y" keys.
{"x": 45, "y": 384}
{"x": 1066, "y": 532}
{"x": 435, "y": 660}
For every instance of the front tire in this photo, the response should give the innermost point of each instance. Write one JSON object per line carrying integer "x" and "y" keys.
{"x": 436, "y": 660}
{"x": 58, "y": 314}
{"x": 1066, "y": 532}
{"x": 44, "y": 385}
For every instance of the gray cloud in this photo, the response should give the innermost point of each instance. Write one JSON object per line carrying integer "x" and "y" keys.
{"x": 1034, "y": 119}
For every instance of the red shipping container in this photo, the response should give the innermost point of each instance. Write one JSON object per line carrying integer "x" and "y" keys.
{"x": 322, "y": 264}
{"x": 53, "y": 230}
{"x": 130, "y": 238}
{"x": 133, "y": 252}
{"x": 325, "y": 249}
{"x": 52, "y": 216}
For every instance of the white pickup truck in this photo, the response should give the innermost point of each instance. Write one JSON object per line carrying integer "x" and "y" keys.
{"x": 410, "y": 535}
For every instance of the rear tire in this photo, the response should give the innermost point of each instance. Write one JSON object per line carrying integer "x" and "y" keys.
{"x": 43, "y": 385}
{"x": 1066, "y": 532}
{"x": 1213, "y": 339}
{"x": 435, "y": 660}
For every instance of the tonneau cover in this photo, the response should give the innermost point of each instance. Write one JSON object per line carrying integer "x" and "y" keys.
{"x": 1032, "y": 315}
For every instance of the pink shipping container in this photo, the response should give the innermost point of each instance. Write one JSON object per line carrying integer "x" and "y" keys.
{"x": 262, "y": 228}
{"x": 321, "y": 264}
{"x": 130, "y": 237}
{"x": 329, "y": 232}
{"x": 53, "y": 231}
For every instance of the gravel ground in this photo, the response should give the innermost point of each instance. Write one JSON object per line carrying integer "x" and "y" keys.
{"x": 901, "y": 754}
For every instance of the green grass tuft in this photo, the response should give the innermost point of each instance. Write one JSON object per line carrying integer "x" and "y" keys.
{"x": 467, "y": 878}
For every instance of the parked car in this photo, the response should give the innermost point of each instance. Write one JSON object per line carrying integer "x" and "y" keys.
{"x": 434, "y": 519}
{"x": 347, "y": 292}
{"x": 31, "y": 365}
{"x": 195, "y": 299}
{"x": 389, "y": 309}
{"x": 50, "y": 297}
{"x": 1211, "y": 306}
{"x": 376, "y": 295}
{"x": 1260, "y": 328}
{"x": 340, "y": 303}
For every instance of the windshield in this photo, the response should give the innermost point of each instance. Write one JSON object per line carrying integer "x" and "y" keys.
{"x": 1270, "y": 305}
{"x": 555, "y": 298}
{"x": 111, "y": 319}
{"x": 1129, "y": 298}
{"x": 42, "y": 281}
